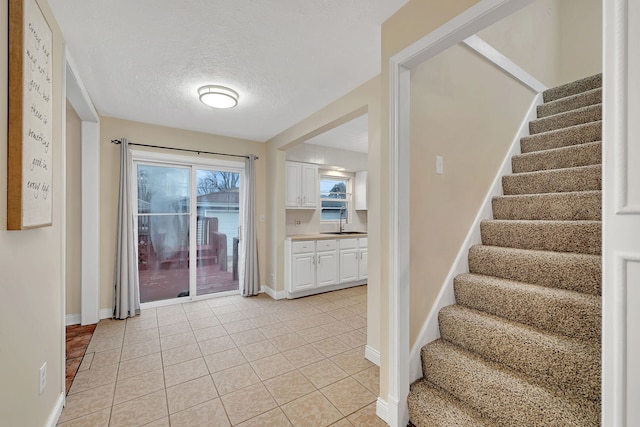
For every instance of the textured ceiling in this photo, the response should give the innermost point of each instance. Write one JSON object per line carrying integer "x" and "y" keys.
{"x": 144, "y": 60}
{"x": 352, "y": 136}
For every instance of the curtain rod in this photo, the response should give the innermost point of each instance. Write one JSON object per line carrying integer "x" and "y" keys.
{"x": 115, "y": 141}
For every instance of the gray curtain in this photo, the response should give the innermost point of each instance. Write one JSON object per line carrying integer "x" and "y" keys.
{"x": 125, "y": 277}
{"x": 249, "y": 278}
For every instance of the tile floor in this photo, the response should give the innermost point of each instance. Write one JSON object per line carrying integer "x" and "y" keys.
{"x": 230, "y": 361}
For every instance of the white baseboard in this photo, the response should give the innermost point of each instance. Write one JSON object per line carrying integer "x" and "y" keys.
{"x": 430, "y": 330}
{"x": 272, "y": 293}
{"x": 72, "y": 319}
{"x": 382, "y": 410}
{"x": 372, "y": 355}
{"x": 76, "y": 319}
{"x": 106, "y": 313}
{"x": 57, "y": 410}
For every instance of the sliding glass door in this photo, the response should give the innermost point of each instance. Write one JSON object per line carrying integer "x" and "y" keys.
{"x": 174, "y": 199}
{"x": 218, "y": 208}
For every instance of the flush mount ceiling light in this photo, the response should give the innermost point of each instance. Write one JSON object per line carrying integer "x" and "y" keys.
{"x": 218, "y": 96}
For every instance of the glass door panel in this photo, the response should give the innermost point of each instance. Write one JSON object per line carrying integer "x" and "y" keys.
{"x": 163, "y": 231}
{"x": 218, "y": 208}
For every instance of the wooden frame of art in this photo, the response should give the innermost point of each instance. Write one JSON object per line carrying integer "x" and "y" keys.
{"x": 30, "y": 160}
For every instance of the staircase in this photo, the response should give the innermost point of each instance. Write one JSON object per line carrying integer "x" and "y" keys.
{"x": 521, "y": 346}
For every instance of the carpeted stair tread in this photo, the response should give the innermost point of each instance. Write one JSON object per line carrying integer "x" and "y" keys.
{"x": 557, "y": 158}
{"x": 579, "y": 100}
{"x": 577, "y": 206}
{"x": 567, "y": 365}
{"x": 590, "y": 113}
{"x": 498, "y": 393}
{"x": 582, "y": 178}
{"x": 560, "y": 236}
{"x": 579, "y": 134}
{"x": 575, "y": 272}
{"x": 559, "y": 311}
{"x": 572, "y": 88}
{"x": 432, "y": 407}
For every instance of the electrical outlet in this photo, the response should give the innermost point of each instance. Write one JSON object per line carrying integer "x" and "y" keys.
{"x": 262, "y": 218}
{"x": 297, "y": 222}
{"x": 43, "y": 377}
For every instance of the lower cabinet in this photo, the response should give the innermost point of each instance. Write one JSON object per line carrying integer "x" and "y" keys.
{"x": 353, "y": 259}
{"x": 318, "y": 264}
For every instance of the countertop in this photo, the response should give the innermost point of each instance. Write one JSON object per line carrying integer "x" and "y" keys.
{"x": 320, "y": 236}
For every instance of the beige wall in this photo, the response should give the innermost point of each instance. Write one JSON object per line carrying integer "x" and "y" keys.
{"x": 142, "y": 133}
{"x": 74, "y": 213}
{"x": 31, "y": 289}
{"x": 413, "y": 21}
{"x": 580, "y": 50}
{"x": 557, "y": 41}
{"x": 529, "y": 38}
{"x": 467, "y": 111}
{"x": 363, "y": 99}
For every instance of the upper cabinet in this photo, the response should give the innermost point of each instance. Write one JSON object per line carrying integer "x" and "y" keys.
{"x": 301, "y": 185}
{"x": 361, "y": 191}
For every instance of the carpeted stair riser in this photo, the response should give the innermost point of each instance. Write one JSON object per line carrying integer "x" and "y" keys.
{"x": 575, "y": 272}
{"x": 558, "y": 311}
{"x": 580, "y": 134}
{"x": 581, "y": 178}
{"x": 569, "y": 89}
{"x": 433, "y": 407}
{"x": 497, "y": 392}
{"x": 570, "y": 366}
{"x": 557, "y": 158}
{"x": 580, "y": 116}
{"x": 561, "y": 236}
{"x": 573, "y": 102}
{"x": 572, "y": 206}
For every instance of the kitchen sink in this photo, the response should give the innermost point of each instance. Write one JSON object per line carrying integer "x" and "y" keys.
{"x": 342, "y": 233}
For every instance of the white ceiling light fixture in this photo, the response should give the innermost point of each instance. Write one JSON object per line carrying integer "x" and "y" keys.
{"x": 218, "y": 96}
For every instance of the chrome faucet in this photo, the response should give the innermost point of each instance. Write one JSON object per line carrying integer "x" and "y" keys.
{"x": 342, "y": 212}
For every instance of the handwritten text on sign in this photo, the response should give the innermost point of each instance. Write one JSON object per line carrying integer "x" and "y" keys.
{"x": 37, "y": 120}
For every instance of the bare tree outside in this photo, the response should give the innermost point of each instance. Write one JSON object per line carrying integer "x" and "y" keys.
{"x": 216, "y": 181}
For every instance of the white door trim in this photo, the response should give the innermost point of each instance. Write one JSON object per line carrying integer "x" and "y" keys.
{"x": 620, "y": 214}
{"x": 90, "y": 141}
{"x": 468, "y": 23}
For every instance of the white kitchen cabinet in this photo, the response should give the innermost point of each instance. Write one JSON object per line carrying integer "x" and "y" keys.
{"x": 353, "y": 259}
{"x": 348, "y": 260}
{"x": 312, "y": 264}
{"x": 363, "y": 263}
{"x": 303, "y": 266}
{"x": 361, "y": 190}
{"x": 327, "y": 263}
{"x": 301, "y": 182}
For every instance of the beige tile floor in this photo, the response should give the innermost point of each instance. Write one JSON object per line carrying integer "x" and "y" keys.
{"x": 231, "y": 361}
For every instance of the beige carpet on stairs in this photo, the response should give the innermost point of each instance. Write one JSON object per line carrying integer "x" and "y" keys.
{"x": 521, "y": 346}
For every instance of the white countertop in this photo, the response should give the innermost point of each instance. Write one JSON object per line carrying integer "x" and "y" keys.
{"x": 320, "y": 236}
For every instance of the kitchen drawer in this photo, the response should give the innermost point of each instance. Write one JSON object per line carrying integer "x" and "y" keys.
{"x": 303, "y": 246}
{"x": 326, "y": 245}
{"x": 348, "y": 243}
{"x": 364, "y": 242}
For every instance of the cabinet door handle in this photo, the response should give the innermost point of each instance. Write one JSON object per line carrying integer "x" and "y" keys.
{"x": 319, "y": 259}
{"x": 304, "y": 200}
{"x": 298, "y": 200}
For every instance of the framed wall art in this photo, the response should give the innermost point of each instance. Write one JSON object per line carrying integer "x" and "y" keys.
{"x": 30, "y": 133}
